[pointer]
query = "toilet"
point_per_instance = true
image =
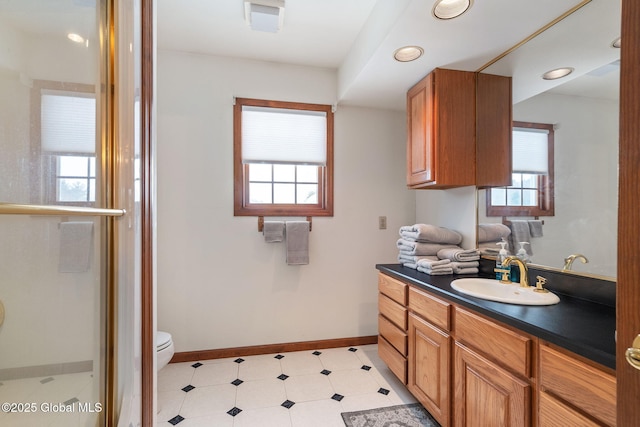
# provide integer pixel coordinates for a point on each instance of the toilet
(165, 348)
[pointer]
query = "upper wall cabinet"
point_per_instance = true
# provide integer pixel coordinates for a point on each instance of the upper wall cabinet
(493, 130)
(441, 130)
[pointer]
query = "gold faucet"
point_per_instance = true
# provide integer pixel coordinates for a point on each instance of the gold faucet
(568, 261)
(524, 277)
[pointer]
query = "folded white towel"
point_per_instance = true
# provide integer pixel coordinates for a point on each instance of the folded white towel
(465, 264)
(459, 254)
(406, 257)
(409, 264)
(273, 231)
(430, 233)
(467, 270)
(469, 267)
(439, 272)
(411, 247)
(433, 263)
(492, 232)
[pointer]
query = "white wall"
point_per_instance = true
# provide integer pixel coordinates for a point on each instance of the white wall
(453, 208)
(219, 284)
(586, 177)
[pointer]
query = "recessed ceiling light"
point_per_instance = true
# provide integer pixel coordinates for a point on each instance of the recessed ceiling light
(616, 43)
(75, 37)
(408, 53)
(558, 73)
(449, 9)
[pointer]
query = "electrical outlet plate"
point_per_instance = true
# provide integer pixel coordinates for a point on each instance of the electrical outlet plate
(382, 222)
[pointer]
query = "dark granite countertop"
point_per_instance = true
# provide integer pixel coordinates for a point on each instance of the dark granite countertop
(583, 327)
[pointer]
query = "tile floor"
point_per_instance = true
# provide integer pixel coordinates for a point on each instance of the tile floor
(295, 389)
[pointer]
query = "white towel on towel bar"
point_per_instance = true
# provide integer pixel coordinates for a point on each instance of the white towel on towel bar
(273, 231)
(520, 233)
(297, 233)
(535, 227)
(76, 241)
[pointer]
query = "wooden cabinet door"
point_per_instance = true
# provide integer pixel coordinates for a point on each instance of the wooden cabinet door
(486, 395)
(420, 144)
(493, 131)
(441, 130)
(429, 355)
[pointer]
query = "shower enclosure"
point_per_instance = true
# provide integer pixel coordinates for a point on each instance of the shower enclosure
(69, 212)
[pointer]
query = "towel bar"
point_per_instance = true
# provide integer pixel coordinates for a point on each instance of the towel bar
(506, 222)
(261, 223)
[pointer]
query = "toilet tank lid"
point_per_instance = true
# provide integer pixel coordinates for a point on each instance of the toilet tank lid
(162, 338)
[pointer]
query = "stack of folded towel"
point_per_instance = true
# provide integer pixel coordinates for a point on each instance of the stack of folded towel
(434, 250)
(463, 261)
(489, 235)
(435, 266)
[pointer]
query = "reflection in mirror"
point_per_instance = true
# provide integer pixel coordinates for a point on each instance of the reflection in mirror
(583, 109)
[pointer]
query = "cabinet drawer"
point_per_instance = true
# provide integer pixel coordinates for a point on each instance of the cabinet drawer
(555, 413)
(507, 348)
(394, 289)
(582, 385)
(430, 308)
(393, 311)
(394, 360)
(396, 337)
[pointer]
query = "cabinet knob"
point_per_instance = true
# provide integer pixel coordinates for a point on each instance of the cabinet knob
(633, 353)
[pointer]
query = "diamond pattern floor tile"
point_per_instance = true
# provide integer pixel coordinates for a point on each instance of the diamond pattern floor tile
(295, 389)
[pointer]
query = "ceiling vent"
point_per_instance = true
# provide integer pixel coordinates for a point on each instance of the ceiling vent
(264, 15)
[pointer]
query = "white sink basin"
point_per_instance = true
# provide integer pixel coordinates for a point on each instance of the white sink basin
(493, 290)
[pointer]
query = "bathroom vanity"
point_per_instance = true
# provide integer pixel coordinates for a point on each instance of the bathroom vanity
(467, 359)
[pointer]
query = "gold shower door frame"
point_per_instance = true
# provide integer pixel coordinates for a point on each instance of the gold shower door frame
(107, 121)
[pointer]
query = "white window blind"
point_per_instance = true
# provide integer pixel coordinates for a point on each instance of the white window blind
(68, 122)
(278, 135)
(530, 151)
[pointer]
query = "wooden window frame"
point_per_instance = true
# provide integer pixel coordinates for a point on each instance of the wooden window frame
(241, 204)
(545, 205)
(52, 175)
(44, 172)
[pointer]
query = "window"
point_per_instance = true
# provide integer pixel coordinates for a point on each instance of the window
(531, 190)
(75, 179)
(283, 158)
(67, 141)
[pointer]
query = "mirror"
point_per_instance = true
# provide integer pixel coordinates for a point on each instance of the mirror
(583, 107)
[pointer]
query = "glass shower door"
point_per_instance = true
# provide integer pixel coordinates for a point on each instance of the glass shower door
(56, 222)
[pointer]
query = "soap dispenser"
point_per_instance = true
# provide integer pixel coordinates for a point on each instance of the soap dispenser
(522, 252)
(524, 257)
(502, 254)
